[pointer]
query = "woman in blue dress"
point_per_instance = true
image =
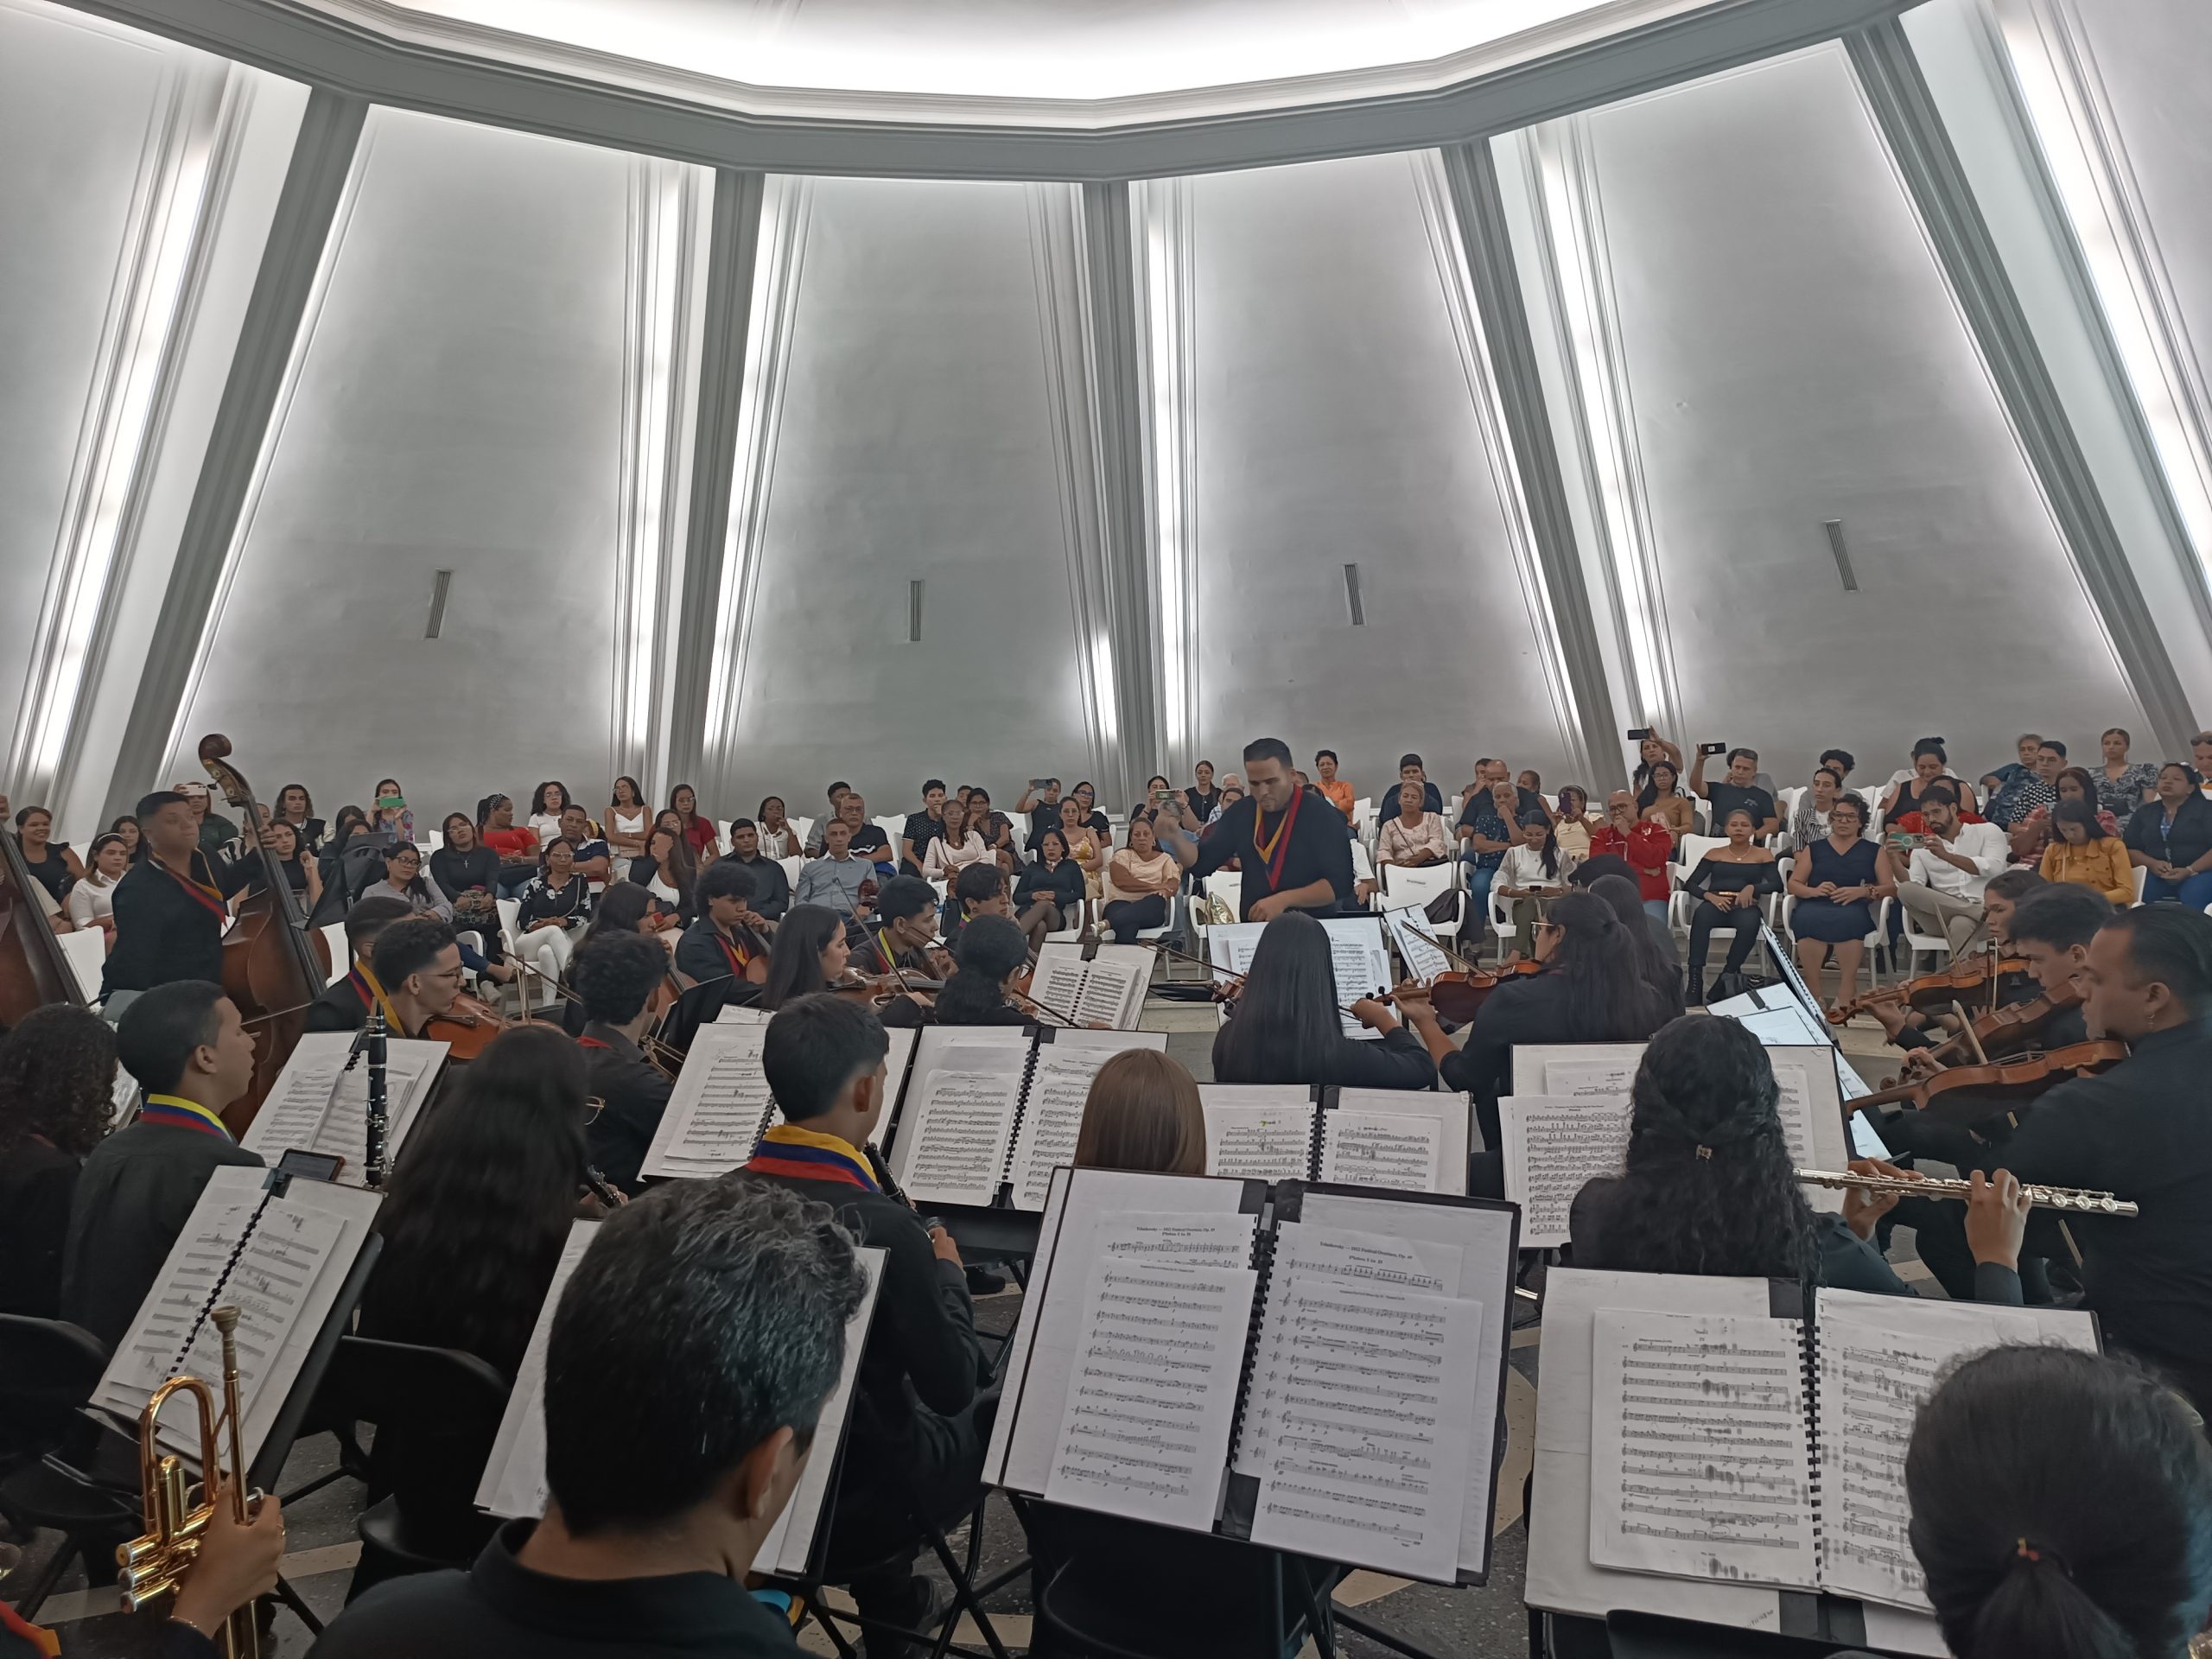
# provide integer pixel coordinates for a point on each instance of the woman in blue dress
(1836, 882)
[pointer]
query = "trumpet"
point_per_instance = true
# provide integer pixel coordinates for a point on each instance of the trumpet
(2075, 1200)
(155, 1564)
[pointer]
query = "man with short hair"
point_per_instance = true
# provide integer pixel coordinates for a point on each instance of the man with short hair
(868, 841)
(835, 879)
(723, 944)
(1950, 870)
(344, 1003)
(920, 1422)
(1839, 761)
(1644, 844)
(690, 1355)
(1290, 858)
(594, 859)
(616, 978)
(2200, 755)
(903, 926)
(185, 1043)
(923, 828)
(771, 887)
(1410, 770)
(169, 906)
(1739, 788)
(1043, 808)
(419, 963)
(977, 890)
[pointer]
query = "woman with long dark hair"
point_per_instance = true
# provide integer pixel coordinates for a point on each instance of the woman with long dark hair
(1622, 896)
(2061, 1509)
(992, 955)
(809, 955)
(1710, 1187)
(669, 871)
(1285, 1027)
(1661, 797)
(547, 802)
(698, 830)
(296, 806)
(627, 817)
(57, 1096)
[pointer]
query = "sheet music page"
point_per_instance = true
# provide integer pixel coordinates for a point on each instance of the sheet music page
(1258, 1131)
(1423, 960)
(317, 1105)
(1060, 1087)
(718, 1108)
(1059, 979)
(1587, 1069)
(514, 1475)
(1368, 1460)
(1879, 1357)
(1111, 991)
(1797, 1107)
(1403, 1150)
(1159, 1355)
(1553, 1146)
(1700, 1466)
(955, 1127)
(1608, 1080)
(1175, 1238)
(1361, 962)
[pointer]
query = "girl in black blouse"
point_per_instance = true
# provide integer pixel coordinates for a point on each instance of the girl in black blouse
(1728, 883)
(1285, 1027)
(51, 863)
(468, 873)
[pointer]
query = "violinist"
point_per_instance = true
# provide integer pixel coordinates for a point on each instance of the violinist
(171, 909)
(809, 956)
(1909, 1028)
(346, 1002)
(418, 961)
(725, 943)
(904, 930)
(616, 976)
(981, 890)
(1286, 1028)
(993, 955)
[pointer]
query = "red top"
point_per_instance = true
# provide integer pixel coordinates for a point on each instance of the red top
(518, 840)
(1645, 847)
(700, 832)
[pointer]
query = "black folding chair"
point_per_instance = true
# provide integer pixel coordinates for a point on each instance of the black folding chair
(47, 1371)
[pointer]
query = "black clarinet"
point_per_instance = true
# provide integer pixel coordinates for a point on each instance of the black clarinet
(373, 1037)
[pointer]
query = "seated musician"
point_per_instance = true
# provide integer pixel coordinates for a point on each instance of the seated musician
(835, 879)
(169, 909)
(2140, 1131)
(1909, 1028)
(992, 956)
(725, 943)
(418, 961)
(1284, 1026)
(921, 1420)
(1709, 1187)
(691, 1354)
(192, 1054)
(2062, 1506)
(809, 956)
(1652, 943)
(616, 976)
(1143, 1112)
(1299, 860)
(57, 1098)
(771, 887)
(346, 1002)
(981, 890)
(901, 938)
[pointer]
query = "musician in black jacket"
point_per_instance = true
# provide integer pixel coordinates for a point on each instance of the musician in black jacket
(346, 1002)
(170, 907)
(616, 976)
(1285, 1026)
(921, 1418)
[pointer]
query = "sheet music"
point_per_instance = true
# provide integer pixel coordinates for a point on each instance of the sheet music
(1876, 1364)
(789, 1546)
(1361, 964)
(1423, 960)
(1159, 1356)
(317, 1105)
(719, 1108)
(1368, 1459)
(1812, 1117)
(1699, 1464)
(1608, 1080)
(1396, 1149)
(1110, 993)
(1553, 1146)
(1175, 1238)
(1594, 1070)
(958, 1123)
(1060, 1087)
(1057, 980)
(1259, 1131)
(514, 1475)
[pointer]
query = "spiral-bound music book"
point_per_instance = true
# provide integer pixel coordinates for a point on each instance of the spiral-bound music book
(282, 1261)
(514, 1475)
(1709, 1448)
(1408, 1140)
(988, 1108)
(1313, 1368)
(1102, 982)
(722, 1104)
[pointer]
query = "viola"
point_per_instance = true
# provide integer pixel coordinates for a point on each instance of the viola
(273, 965)
(1934, 992)
(1973, 1094)
(32, 971)
(2009, 1030)
(1458, 993)
(466, 1028)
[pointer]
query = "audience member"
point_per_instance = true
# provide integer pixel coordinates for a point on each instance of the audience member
(954, 846)
(2028, 745)
(1529, 876)
(2082, 853)
(51, 863)
(2122, 786)
(1335, 789)
(554, 912)
(779, 837)
(296, 806)
(1049, 894)
(923, 830)
(1642, 843)
(2169, 839)
(1140, 884)
(92, 901)
(1728, 884)
(547, 803)
(698, 830)
(1948, 871)
(1809, 822)
(1410, 770)
(1837, 881)
(627, 817)
(772, 887)
(1739, 789)
(1661, 800)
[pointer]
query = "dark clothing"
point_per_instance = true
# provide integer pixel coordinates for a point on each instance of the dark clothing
(133, 1199)
(51, 872)
(1529, 1009)
(165, 931)
(1741, 921)
(1203, 801)
(1432, 800)
(871, 843)
(37, 1182)
(1725, 798)
(216, 831)
(501, 1609)
(1062, 885)
(771, 888)
(2188, 840)
(2139, 1131)
(922, 828)
(636, 1095)
(1481, 815)
(904, 1011)
(1041, 818)
(705, 953)
(1126, 918)
(1825, 920)
(457, 873)
(1318, 851)
(1397, 1061)
(543, 901)
(340, 1008)
(1846, 1261)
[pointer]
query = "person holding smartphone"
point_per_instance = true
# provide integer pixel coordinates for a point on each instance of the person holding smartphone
(1041, 802)
(1739, 789)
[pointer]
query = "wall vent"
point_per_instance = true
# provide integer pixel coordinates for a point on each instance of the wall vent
(1352, 596)
(914, 611)
(1835, 528)
(440, 584)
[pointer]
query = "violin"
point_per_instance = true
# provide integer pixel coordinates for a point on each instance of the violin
(1935, 993)
(466, 1028)
(32, 969)
(2010, 1030)
(1458, 993)
(273, 965)
(1973, 1094)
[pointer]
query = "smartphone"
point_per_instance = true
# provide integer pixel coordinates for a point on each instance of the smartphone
(1038, 786)
(1712, 748)
(1162, 797)
(1638, 733)
(311, 1165)
(385, 803)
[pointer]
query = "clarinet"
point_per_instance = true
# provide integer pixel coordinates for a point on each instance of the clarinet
(374, 1034)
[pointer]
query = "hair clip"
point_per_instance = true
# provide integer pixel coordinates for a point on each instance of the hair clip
(1705, 1152)
(2025, 1551)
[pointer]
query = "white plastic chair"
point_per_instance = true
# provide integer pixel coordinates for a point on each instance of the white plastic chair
(1873, 942)
(892, 827)
(341, 959)
(1501, 921)
(2142, 875)
(1404, 885)
(85, 950)
(792, 866)
(437, 840)
(1681, 904)
(1362, 863)
(801, 830)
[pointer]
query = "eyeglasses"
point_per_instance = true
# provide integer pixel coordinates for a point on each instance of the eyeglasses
(593, 1107)
(1551, 927)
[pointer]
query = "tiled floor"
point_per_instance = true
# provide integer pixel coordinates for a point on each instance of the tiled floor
(1466, 1624)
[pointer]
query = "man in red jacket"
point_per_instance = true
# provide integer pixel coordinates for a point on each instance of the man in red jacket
(1645, 843)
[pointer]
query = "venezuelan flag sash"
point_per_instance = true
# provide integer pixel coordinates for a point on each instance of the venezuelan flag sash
(803, 1155)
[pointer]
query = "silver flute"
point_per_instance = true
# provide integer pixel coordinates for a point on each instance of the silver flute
(2076, 1200)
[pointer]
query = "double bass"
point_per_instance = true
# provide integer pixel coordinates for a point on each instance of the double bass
(273, 966)
(34, 971)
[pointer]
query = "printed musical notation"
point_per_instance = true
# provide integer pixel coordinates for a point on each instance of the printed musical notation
(1423, 960)
(319, 1105)
(719, 1107)
(1590, 1079)
(1699, 1464)
(1357, 1407)
(1152, 1392)
(1427, 1265)
(1175, 1238)
(1554, 1145)
(1381, 1149)
(1266, 1142)
(954, 1143)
